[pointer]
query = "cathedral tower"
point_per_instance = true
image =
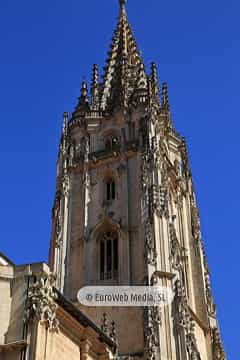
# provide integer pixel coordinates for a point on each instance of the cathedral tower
(125, 211)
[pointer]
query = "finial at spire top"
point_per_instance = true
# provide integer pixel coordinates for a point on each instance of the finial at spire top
(122, 3)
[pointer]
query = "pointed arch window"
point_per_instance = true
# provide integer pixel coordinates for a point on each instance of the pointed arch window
(109, 256)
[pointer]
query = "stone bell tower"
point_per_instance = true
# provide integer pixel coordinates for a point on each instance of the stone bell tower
(125, 211)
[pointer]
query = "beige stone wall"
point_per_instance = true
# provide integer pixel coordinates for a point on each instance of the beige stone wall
(6, 275)
(55, 346)
(15, 329)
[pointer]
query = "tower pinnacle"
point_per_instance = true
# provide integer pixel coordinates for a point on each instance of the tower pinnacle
(124, 63)
(122, 3)
(83, 104)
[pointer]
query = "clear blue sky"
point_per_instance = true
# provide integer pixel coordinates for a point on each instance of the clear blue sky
(47, 47)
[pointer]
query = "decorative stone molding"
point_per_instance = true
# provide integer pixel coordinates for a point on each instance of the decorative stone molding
(108, 329)
(105, 324)
(185, 158)
(41, 302)
(184, 323)
(163, 200)
(113, 333)
(158, 200)
(156, 311)
(154, 199)
(175, 249)
(75, 153)
(56, 219)
(150, 248)
(154, 195)
(211, 307)
(196, 227)
(179, 199)
(146, 169)
(151, 335)
(147, 194)
(152, 320)
(65, 185)
(58, 223)
(191, 342)
(180, 303)
(217, 346)
(155, 153)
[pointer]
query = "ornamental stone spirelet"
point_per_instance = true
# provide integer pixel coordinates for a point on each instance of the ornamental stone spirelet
(41, 302)
(122, 3)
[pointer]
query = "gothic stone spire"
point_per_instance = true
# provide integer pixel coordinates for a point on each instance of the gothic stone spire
(83, 102)
(123, 66)
(154, 81)
(95, 88)
(64, 132)
(165, 101)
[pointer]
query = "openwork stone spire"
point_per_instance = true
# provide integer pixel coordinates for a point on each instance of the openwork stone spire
(123, 66)
(154, 81)
(95, 88)
(83, 103)
(165, 101)
(64, 132)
